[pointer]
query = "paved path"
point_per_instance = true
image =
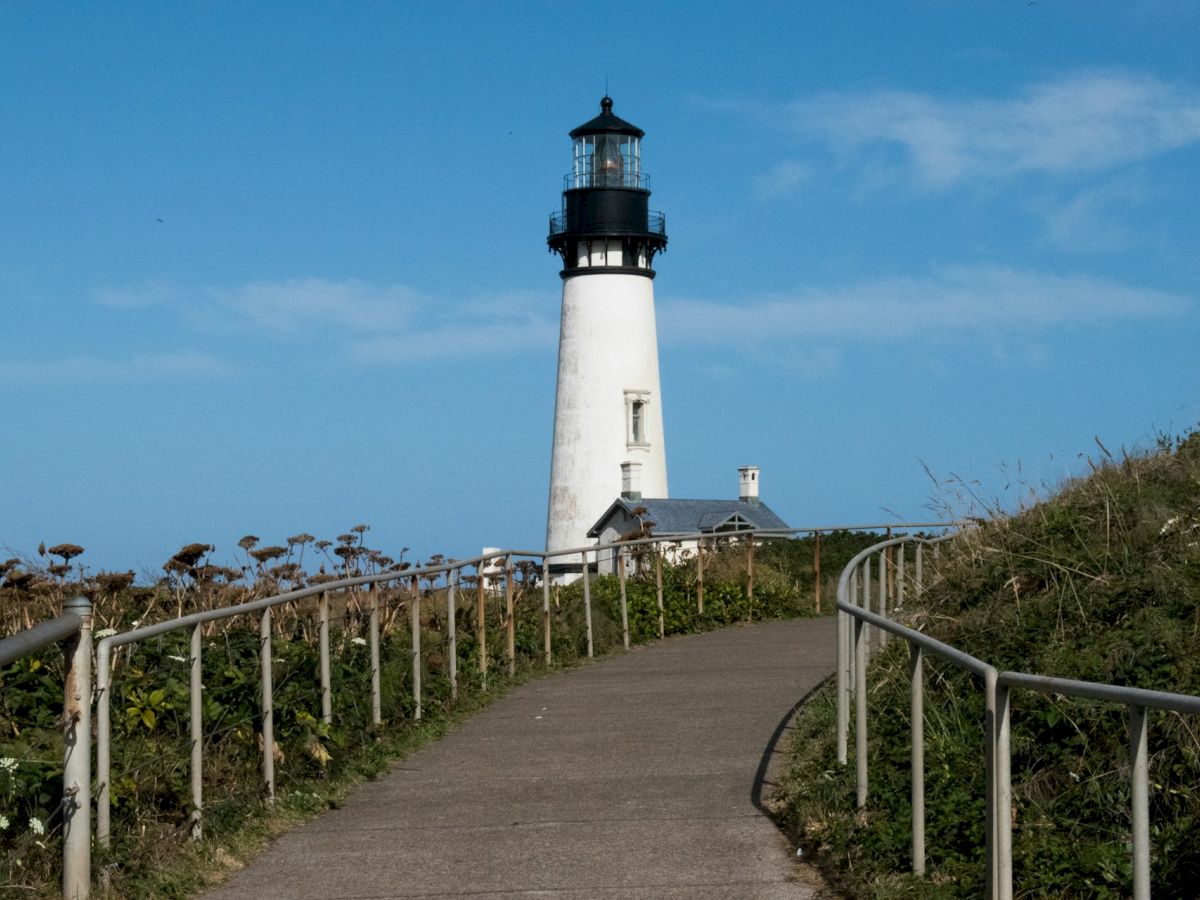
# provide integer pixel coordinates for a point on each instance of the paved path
(635, 777)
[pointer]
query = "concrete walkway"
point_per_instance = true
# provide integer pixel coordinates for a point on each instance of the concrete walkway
(636, 777)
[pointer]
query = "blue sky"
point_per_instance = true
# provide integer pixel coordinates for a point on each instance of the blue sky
(270, 268)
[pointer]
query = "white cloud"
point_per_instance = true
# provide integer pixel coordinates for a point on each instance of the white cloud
(985, 300)
(179, 363)
(1085, 122)
(783, 180)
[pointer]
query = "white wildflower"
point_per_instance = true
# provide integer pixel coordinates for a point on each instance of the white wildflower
(177, 658)
(1169, 524)
(104, 632)
(36, 826)
(8, 764)
(362, 642)
(135, 623)
(3, 822)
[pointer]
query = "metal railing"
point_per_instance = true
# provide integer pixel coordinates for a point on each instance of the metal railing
(597, 177)
(73, 629)
(855, 622)
(76, 621)
(654, 223)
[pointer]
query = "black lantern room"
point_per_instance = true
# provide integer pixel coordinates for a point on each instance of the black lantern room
(605, 224)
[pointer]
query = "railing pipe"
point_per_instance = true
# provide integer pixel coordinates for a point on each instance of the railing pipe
(884, 578)
(658, 584)
(860, 712)
(103, 742)
(900, 566)
(1003, 754)
(620, 561)
(323, 641)
(587, 602)
(546, 610)
(268, 705)
(373, 648)
(415, 630)
(196, 722)
(77, 754)
(510, 622)
(1140, 801)
(916, 669)
(481, 622)
(452, 630)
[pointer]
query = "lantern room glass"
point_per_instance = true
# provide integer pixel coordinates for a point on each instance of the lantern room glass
(607, 160)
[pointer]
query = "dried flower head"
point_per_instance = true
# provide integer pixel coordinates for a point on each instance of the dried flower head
(249, 542)
(66, 551)
(264, 554)
(300, 539)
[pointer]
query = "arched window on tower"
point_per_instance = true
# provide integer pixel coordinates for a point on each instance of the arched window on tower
(636, 402)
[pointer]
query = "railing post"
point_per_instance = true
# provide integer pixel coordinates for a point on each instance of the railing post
(901, 552)
(77, 756)
(884, 577)
(620, 561)
(415, 608)
(916, 671)
(323, 641)
(268, 704)
(749, 576)
(452, 630)
(510, 622)
(1140, 796)
(843, 685)
(373, 642)
(546, 609)
(587, 602)
(196, 716)
(919, 575)
(817, 571)
(1003, 755)
(860, 712)
(481, 622)
(103, 742)
(989, 746)
(658, 584)
(865, 603)
(700, 576)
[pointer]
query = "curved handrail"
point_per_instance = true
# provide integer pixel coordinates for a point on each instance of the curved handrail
(852, 667)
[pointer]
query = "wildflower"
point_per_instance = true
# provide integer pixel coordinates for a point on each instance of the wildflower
(135, 623)
(362, 642)
(36, 826)
(177, 658)
(1169, 524)
(3, 822)
(104, 632)
(8, 764)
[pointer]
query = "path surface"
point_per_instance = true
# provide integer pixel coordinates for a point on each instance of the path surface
(636, 777)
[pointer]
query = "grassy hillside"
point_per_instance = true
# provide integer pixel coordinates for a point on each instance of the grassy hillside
(1101, 582)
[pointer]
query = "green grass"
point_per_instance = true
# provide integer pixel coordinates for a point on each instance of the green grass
(1100, 582)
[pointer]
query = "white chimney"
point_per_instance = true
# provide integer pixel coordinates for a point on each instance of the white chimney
(748, 484)
(631, 481)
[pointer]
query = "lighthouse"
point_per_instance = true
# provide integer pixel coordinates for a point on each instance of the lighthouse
(608, 422)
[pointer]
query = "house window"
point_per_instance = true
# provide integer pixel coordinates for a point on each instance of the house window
(636, 411)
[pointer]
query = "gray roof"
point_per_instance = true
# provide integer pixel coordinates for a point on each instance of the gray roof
(688, 516)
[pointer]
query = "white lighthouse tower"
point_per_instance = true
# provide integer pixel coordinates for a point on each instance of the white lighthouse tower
(608, 409)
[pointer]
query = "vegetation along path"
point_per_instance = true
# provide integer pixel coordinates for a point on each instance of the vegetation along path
(639, 776)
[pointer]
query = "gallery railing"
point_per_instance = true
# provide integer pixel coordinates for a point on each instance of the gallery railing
(857, 619)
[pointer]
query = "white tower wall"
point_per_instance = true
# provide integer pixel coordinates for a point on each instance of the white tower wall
(608, 409)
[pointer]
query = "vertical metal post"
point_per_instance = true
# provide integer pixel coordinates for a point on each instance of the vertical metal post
(452, 629)
(268, 704)
(860, 712)
(415, 607)
(919, 575)
(323, 640)
(587, 601)
(196, 715)
(77, 756)
(916, 671)
(865, 603)
(510, 622)
(620, 561)
(373, 642)
(1140, 796)
(989, 747)
(481, 622)
(884, 577)
(749, 576)
(1003, 755)
(546, 609)
(700, 576)
(103, 742)
(659, 588)
(901, 552)
(817, 571)
(843, 685)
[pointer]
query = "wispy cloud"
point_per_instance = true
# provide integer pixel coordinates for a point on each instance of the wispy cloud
(1085, 122)
(358, 321)
(785, 179)
(156, 365)
(982, 300)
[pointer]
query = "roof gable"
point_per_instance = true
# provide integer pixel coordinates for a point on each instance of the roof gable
(690, 516)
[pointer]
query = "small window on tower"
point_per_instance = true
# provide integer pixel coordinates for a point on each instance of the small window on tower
(636, 403)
